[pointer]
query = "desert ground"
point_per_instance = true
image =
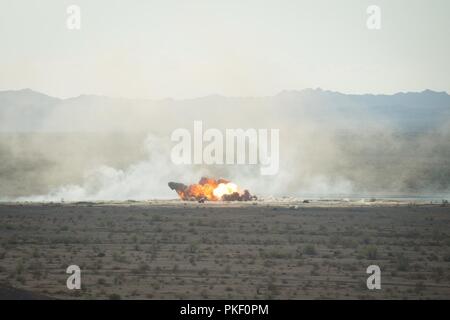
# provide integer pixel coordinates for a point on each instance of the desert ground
(255, 250)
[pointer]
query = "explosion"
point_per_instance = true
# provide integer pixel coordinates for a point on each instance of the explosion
(211, 190)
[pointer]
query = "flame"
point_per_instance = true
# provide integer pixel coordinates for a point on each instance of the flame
(225, 188)
(211, 190)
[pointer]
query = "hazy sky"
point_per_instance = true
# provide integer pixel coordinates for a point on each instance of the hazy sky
(182, 49)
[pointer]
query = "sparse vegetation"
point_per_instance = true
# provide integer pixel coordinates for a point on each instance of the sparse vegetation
(249, 252)
(310, 250)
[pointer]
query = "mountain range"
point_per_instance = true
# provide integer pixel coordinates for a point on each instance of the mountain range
(30, 111)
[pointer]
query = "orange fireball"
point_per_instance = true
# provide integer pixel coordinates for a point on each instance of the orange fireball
(211, 190)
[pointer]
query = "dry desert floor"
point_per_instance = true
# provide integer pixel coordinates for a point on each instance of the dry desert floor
(258, 250)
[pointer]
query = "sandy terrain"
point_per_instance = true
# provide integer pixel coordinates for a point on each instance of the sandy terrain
(279, 250)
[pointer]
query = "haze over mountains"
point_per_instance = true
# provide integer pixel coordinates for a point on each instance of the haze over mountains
(93, 147)
(30, 111)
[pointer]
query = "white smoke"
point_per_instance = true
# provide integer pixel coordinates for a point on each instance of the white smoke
(146, 179)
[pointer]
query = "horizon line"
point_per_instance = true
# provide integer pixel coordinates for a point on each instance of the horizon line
(317, 89)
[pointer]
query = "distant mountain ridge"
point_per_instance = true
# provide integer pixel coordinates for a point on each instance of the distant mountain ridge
(25, 97)
(28, 110)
